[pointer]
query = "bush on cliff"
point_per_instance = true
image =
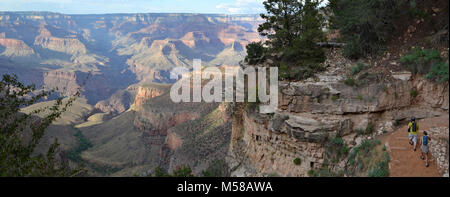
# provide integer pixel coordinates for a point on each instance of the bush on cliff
(428, 62)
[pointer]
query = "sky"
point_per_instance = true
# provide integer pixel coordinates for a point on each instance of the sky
(135, 6)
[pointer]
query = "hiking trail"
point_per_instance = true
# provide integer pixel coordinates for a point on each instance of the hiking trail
(404, 161)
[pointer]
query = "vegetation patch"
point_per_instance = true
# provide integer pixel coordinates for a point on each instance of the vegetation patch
(381, 168)
(181, 171)
(368, 159)
(360, 97)
(367, 131)
(255, 53)
(414, 93)
(216, 168)
(293, 29)
(335, 150)
(297, 161)
(349, 81)
(428, 62)
(356, 69)
(334, 97)
(83, 144)
(364, 25)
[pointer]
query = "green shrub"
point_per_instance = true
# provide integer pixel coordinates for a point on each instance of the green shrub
(360, 97)
(396, 123)
(337, 141)
(362, 150)
(159, 172)
(381, 168)
(83, 144)
(414, 93)
(415, 12)
(427, 61)
(420, 61)
(297, 161)
(350, 82)
(183, 171)
(439, 72)
(359, 131)
(356, 69)
(335, 150)
(273, 174)
(216, 168)
(370, 128)
(334, 98)
(311, 173)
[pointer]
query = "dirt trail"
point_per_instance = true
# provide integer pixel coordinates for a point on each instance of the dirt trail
(404, 161)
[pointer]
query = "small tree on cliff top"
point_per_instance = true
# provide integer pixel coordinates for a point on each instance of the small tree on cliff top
(293, 28)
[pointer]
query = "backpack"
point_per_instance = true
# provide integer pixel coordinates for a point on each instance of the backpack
(414, 127)
(425, 140)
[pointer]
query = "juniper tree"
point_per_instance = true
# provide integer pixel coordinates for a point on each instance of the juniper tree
(293, 28)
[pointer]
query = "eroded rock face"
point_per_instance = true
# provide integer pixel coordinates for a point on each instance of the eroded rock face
(274, 152)
(16, 48)
(439, 148)
(314, 111)
(146, 93)
(66, 45)
(122, 100)
(95, 87)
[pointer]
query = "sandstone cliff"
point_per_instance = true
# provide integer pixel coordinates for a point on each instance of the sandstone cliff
(314, 111)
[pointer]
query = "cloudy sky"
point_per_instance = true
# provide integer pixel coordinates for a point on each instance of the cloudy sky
(135, 6)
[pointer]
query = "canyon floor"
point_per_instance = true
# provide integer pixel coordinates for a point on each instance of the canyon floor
(404, 161)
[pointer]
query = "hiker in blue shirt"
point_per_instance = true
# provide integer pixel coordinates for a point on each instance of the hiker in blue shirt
(425, 147)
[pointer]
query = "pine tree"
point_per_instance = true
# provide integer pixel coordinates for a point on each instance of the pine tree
(293, 28)
(365, 25)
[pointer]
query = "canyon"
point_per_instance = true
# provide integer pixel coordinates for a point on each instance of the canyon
(121, 63)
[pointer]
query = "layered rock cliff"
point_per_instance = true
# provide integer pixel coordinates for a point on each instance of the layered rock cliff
(314, 111)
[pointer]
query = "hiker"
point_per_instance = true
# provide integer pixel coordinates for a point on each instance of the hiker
(425, 147)
(413, 128)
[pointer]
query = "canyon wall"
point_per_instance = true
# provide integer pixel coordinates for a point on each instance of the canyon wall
(314, 111)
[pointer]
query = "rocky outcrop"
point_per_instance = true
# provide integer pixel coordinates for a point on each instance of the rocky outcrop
(148, 92)
(173, 141)
(68, 45)
(95, 87)
(64, 82)
(117, 103)
(314, 111)
(15, 48)
(439, 147)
